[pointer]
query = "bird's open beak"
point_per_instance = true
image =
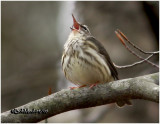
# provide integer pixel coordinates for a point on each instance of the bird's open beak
(75, 23)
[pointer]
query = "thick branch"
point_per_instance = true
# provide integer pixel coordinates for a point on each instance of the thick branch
(143, 87)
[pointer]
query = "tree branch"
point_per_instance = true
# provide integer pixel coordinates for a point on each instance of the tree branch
(124, 36)
(131, 65)
(121, 37)
(143, 87)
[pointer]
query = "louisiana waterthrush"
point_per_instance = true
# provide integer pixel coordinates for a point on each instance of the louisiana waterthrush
(85, 61)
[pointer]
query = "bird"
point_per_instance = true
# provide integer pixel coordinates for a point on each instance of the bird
(85, 61)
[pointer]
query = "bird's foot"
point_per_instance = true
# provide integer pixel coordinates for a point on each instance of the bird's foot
(71, 88)
(93, 85)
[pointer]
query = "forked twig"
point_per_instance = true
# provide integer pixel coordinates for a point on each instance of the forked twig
(121, 37)
(156, 52)
(131, 65)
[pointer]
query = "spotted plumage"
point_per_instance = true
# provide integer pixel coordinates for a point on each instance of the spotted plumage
(85, 61)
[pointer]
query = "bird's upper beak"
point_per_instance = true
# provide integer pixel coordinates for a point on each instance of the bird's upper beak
(75, 23)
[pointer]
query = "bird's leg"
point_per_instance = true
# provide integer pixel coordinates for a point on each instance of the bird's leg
(71, 88)
(93, 85)
(77, 87)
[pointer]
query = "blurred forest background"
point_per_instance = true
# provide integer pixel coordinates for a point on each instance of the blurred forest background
(33, 35)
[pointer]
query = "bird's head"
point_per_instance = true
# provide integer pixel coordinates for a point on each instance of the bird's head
(79, 29)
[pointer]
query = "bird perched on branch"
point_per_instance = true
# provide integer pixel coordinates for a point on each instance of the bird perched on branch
(85, 61)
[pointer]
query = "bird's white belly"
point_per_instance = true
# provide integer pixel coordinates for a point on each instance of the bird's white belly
(81, 73)
(84, 66)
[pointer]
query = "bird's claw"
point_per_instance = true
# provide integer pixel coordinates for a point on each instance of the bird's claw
(71, 88)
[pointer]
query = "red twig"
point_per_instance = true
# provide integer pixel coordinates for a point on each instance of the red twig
(156, 52)
(50, 91)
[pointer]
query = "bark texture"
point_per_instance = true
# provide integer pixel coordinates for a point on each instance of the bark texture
(144, 87)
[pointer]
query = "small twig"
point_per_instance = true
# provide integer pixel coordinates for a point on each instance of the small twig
(122, 41)
(134, 64)
(50, 91)
(156, 52)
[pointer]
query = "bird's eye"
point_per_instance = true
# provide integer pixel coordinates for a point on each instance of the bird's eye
(84, 28)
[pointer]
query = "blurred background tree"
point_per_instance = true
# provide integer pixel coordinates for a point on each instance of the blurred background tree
(33, 35)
